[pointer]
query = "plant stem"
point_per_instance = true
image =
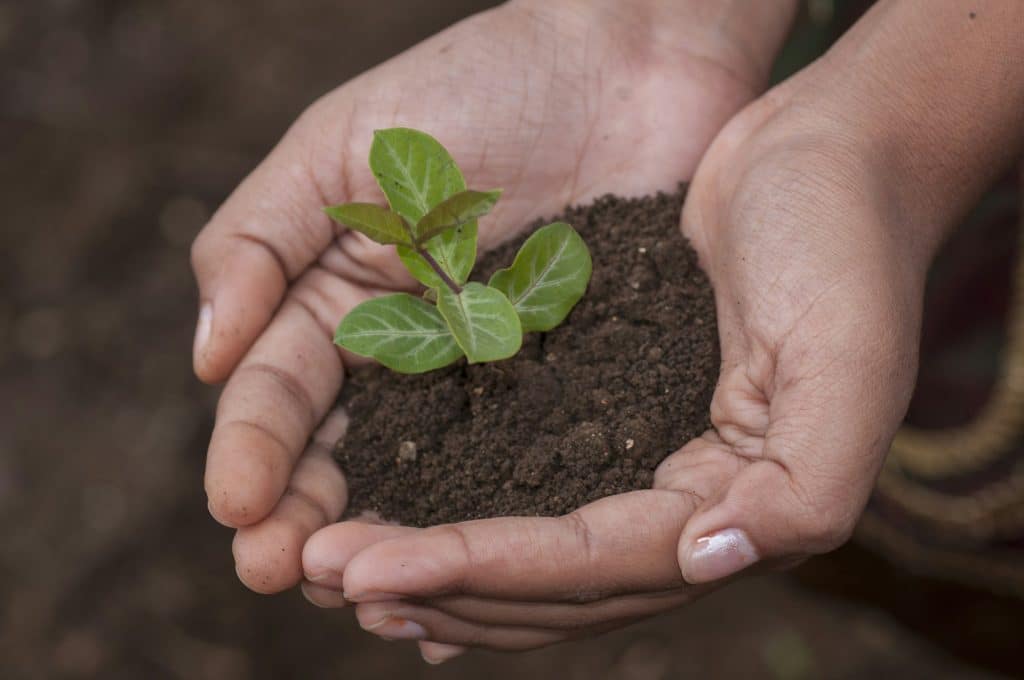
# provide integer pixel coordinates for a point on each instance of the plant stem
(439, 271)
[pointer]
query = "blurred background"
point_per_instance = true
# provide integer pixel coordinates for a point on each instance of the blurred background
(123, 125)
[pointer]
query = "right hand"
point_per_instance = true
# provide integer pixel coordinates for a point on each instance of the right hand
(555, 102)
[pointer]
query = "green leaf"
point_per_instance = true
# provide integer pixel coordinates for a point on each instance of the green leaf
(400, 331)
(482, 320)
(547, 278)
(455, 251)
(416, 173)
(455, 211)
(380, 224)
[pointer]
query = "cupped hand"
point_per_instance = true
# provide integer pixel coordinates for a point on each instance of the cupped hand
(819, 297)
(554, 102)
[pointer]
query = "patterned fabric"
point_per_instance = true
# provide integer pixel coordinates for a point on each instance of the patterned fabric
(950, 502)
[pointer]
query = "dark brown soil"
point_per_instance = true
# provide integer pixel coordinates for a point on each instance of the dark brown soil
(584, 411)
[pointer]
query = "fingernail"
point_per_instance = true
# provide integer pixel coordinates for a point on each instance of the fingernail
(436, 653)
(371, 596)
(395, 628)
(322, 597)
(203, 328)
(326, 579)
(719, 555)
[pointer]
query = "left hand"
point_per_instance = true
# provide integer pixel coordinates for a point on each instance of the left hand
(819, 299)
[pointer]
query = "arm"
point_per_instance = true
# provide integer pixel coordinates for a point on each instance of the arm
(858, 167)
(936, 92)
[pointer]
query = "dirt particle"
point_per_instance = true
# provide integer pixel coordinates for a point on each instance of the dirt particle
(407, 452)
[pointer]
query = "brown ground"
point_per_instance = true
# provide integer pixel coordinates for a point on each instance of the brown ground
(580, 413)
(123, 125)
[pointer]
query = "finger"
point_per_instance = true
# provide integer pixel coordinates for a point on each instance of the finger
(615, 545)
(408, 621)
(568, 617)
(831, 419)
(436, 653)
(274, 400)
(268, 554)
(328, 551)
(264, 236)
(554, 616)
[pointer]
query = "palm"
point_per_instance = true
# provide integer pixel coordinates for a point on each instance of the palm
(554, 125)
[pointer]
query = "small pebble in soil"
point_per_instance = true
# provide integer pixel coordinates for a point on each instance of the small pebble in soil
(407, 452)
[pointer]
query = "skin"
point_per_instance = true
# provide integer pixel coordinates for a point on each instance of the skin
(818, 266)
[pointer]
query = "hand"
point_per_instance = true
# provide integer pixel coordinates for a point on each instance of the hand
(555, 102)
(819, 301)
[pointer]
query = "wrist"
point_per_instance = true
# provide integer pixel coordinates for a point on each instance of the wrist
(933, 94)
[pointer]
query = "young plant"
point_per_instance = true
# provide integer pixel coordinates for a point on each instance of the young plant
(432, 222)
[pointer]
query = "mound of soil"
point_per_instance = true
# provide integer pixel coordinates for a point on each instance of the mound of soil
(584, 411)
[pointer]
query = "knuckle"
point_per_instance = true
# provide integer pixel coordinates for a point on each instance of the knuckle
(825, 524)
(585, 545)
(584, 537)
(318, 481)
(295, 395)
(828, 502)
(198, 255)
(314, 116)
(466, 555)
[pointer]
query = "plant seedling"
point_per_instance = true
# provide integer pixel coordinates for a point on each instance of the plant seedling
(432, 222)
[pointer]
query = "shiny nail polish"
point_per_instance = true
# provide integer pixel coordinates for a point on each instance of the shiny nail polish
(719, 555)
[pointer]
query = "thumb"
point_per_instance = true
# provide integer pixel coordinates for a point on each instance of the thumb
(798, 486)
(761, 517)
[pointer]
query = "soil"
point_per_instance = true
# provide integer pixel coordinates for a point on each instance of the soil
(584, 411)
